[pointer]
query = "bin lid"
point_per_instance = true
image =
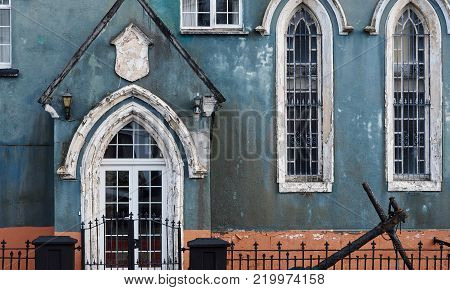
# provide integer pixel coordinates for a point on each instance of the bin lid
(54, 240)
(208, 243)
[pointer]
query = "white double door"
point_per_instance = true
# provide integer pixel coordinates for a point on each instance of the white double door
(140, 190)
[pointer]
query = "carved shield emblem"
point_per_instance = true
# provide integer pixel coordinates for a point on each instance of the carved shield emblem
(132, 53)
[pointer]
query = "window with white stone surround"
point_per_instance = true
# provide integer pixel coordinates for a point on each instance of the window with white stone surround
(5, 34)
(211, 16)
(305, 98)
(413, 98)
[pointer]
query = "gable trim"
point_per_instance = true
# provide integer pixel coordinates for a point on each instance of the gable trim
(46, 98)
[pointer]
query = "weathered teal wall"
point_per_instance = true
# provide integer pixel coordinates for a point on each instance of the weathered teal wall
(244, 193)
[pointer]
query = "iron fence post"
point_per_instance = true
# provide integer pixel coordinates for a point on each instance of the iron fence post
(179, 247)
(90, 245)
(27, 251)
(131, 242)
(3, 254)
(97, 250)
(303, 253)
(171, 261)
(232, 255)
(373, 254)
(255, 245)
(104, 242)
(279, 255)
(420, 252)
(11, 260)
(19, 254)
(83, 247)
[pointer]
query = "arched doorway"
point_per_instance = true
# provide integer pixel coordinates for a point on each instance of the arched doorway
(133, 184)
(89, 155)
(132, 177)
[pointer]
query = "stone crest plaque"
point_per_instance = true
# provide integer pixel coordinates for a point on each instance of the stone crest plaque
(132, 61)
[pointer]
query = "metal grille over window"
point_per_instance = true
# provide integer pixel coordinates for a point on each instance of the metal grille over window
(133, 142)
(5, 34)
(411, 100)
(304, 105)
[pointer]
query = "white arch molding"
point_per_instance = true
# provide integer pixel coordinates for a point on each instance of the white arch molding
(344, 27)
(375, 23)
(69, 168)
(326, 83)
(91, 205)
(435, 90)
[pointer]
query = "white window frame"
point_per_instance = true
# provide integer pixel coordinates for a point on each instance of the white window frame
(287, 184)
(6, 65)
(435, 90)
(133, 166)
(213, 28)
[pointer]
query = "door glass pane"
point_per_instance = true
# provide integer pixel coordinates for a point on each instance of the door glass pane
(144, 178)
(111, 194)
(117, 207)
(123, 194)
(150, 212)
(156, 179)
(124, 190)
(123, 178)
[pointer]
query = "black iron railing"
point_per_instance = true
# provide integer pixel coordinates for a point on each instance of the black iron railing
(372, 258)
(17, 258)
(124, 242)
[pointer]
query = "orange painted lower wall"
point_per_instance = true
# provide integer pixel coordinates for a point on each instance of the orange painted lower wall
(15, 238)
(315, 240)
(290, 240)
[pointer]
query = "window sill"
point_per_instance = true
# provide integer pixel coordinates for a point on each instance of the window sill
(424, 186)
(305, 187)
(225, 31)
(9, 73)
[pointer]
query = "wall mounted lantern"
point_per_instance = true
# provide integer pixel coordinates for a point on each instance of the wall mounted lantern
(67, 102)
(197, 105)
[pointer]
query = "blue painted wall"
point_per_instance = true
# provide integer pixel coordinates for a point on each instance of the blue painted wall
(242, 184)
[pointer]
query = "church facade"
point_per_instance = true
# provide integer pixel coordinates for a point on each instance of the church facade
(248, 120)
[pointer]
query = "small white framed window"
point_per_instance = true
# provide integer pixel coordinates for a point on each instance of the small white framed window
(211, 16)
(5, 34)
(413, 98)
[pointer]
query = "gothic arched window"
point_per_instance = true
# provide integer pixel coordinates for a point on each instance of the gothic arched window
(305, 98)
(411, 103)
(413, 98)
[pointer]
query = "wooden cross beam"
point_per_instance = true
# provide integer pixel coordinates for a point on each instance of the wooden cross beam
(387, 225)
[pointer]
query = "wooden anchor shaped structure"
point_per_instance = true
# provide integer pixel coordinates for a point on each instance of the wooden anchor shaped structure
(395, 216)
